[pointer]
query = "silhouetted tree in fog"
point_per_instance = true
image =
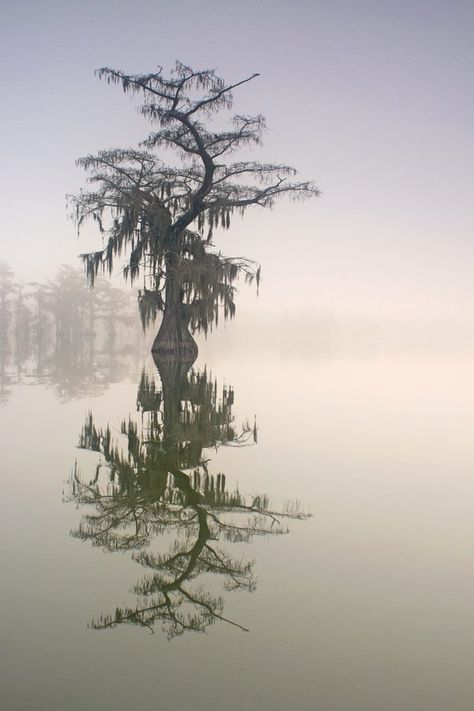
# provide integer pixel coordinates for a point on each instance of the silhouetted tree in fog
(162, 215)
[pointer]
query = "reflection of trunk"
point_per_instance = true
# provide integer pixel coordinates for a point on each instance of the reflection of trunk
(174, 336)
(174, 381)
(173, 375)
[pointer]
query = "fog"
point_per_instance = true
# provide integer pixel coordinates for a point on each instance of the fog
(372, 102)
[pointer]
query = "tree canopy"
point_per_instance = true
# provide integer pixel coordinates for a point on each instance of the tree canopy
(159, 217)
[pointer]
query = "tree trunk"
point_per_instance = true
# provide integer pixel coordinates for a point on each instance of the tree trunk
(174, 337)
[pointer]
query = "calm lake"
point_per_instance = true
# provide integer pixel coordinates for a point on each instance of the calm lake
(270, 529)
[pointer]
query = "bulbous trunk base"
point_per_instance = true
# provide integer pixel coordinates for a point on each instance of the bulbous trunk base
(175, 340)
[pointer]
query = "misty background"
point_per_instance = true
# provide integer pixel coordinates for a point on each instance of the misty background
(371, 100)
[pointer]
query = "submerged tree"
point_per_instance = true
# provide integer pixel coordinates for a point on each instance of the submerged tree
(161, 216)
(156, 483)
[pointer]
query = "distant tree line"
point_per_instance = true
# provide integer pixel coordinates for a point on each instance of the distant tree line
(63, 333)
(63, 310)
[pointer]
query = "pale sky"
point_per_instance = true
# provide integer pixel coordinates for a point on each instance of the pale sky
(373, 100)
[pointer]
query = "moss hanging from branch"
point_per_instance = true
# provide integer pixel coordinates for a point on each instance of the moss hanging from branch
(157, 220)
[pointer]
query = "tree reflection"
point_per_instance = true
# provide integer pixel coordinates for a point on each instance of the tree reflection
(152, 485)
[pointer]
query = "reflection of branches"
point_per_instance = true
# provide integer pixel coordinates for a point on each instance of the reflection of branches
(155, 483)
(126, 521)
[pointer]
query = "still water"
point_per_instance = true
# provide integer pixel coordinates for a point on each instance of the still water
(254, 532)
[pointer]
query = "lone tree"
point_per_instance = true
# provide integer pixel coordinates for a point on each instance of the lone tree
(160, 217)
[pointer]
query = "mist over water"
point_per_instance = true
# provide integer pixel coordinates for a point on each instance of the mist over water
(286, 522)
(365, 426)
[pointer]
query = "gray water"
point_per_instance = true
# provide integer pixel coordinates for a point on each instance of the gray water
(358, 597)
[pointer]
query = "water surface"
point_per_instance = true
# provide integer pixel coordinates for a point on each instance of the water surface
(366, 605)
